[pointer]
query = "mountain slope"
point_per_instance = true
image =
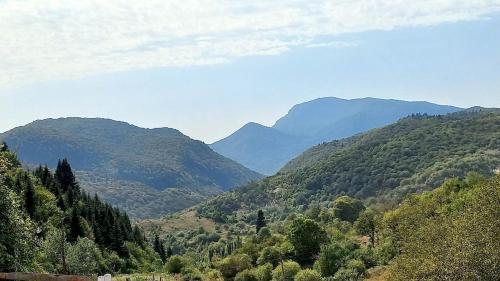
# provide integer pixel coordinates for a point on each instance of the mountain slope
(416, 153)
(258, 146)
(111, 155)
(314, 122)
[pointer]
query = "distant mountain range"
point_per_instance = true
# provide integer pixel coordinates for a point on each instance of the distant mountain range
(147, 172)
(383, 165)
(267, 149)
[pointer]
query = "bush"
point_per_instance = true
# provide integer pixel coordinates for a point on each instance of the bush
(83, 257)
(347, 208)
(331, 258)
(232, 265)
(191, 274)
(308, 275)
(290, 269)
(264, 272)
(269, 255)
(246, 275)
(306, 237)
(345, 274)
(175, 264)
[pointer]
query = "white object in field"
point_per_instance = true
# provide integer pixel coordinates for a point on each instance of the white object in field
(107, 277)
(100, 278)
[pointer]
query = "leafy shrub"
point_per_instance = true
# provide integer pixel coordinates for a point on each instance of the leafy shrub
(191, 274)
(175, 264)
(287, 273)
(232, 265)
(264, 272)
(246, 275)
(308, 275)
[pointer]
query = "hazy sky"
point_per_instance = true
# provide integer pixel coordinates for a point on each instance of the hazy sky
(207, 67)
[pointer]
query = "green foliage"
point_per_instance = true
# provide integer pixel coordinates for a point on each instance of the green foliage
(415, 154)
(450, 233)
(287, 272)
(333, 256)
(264, 272)
(116, 159)
(191, 274)
(246, 275)
(269, 255)
(308, 275)
(366, 224)
(261, 221)
(306, 237)
(16, 233)
(347, 208)
(175, 264)
(83, 257)
(232, 265)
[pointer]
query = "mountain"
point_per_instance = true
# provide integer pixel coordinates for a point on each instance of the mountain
(145, 171)
(417, 153)
(314, 122)
(261, 147)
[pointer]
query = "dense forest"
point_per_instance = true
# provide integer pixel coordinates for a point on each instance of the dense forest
(382, 166)
(49, 224)
(450, 233)
(161, 169)
(416, 200)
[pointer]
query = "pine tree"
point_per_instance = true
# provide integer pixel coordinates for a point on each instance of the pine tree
(4, 147)
(160, 248)
(29, 199)
(261, 221)
(64, 175)
(75, 229)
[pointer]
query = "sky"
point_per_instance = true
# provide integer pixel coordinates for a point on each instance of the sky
(207, 67)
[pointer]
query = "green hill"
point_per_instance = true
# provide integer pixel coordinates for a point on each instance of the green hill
(268, 149)
(148, 172)
(416, 153)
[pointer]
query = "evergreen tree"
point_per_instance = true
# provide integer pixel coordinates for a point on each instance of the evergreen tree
(4, 147)
(29, 199)
(261, 221)
(169, 252)
(64, 175)
(75, 229)
(160, 248)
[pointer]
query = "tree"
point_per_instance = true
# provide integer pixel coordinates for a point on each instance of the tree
(75, 227)
(16, 232)
(261, 221)
(160, 248)
(4, 147)
(84, 257)
(175, 264)
(366, 225)
(450, 233)
(347, 208)
(308, 275)
(246, 275)
(269, 255)
(64, 175)
(232, 265)
(332, 257)
(306, 237)
(29, 198)
(286, 271)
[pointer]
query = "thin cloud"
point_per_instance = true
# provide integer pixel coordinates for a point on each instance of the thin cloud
(47, 40)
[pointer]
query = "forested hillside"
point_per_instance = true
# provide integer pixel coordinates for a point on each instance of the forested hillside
(417, 153)
(161, 169)
(267, 149)
(49, 224)
(450, 233)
